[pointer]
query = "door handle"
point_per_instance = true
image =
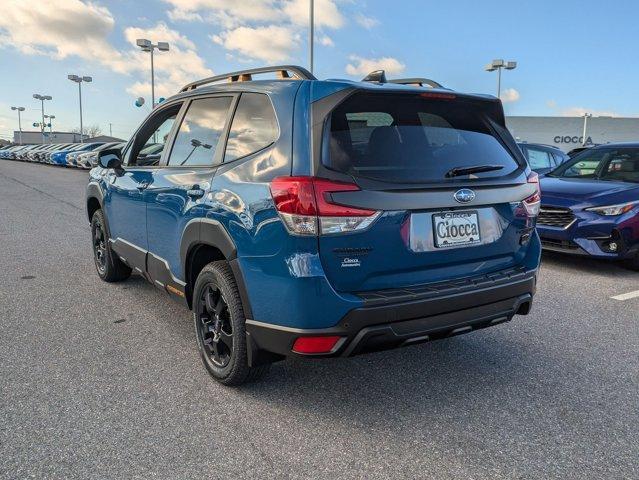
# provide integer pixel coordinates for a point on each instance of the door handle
(195, 192)
(142, 185)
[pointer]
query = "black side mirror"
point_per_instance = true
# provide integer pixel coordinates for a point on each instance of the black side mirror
(110, 159)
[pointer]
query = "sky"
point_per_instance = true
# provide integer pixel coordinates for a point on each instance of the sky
(573, 56)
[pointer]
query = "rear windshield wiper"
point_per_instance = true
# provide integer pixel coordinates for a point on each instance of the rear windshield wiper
(457, 171)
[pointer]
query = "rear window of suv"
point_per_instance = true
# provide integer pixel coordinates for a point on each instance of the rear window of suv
(411, 139)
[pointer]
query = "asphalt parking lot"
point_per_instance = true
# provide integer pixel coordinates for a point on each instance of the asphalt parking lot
(104, 381)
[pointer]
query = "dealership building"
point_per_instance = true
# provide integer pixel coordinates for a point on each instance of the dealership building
(566, 133)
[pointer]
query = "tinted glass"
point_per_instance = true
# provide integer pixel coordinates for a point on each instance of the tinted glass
(409, 139)
(200, 132)
(538, 158)
(618, 164)
(560, 158)
(254, 126)
(154, 133)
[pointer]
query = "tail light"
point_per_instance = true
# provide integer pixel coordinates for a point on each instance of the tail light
(532, 204)
(305, 206)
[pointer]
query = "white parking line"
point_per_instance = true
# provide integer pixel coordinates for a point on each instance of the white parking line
(626, 296)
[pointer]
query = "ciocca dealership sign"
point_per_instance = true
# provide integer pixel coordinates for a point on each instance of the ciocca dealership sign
(572, 139)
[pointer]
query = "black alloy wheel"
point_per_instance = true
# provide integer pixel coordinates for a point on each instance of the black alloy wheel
(99, 247)
(215, 327)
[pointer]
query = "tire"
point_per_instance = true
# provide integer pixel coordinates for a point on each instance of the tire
(633, 263)
(220, 326)
(109, 267)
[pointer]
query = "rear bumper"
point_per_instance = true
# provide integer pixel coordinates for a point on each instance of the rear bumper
(386, 322)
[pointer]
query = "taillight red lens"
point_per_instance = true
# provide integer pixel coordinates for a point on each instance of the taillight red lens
(533, 203)
(315, 345)
(311, 196)
(323, 190)
(306, 207)
(294, 195)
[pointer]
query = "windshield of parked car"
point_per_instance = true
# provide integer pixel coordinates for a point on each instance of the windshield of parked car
(403, 138)
(614, 164)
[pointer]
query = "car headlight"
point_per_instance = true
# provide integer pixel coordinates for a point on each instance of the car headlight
(613, 209)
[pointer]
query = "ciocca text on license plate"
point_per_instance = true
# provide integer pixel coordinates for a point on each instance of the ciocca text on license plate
(456, 229)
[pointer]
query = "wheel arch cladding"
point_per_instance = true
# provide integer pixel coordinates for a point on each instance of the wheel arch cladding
(204, 241)
(93, 205)
(94, 199)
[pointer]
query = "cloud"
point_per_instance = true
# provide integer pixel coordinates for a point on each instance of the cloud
(74, 28)
(326, 41)
(509, 95)
(366, 22)
(580, 111)
(363, 66)
(173, 69)
(60, 29)
(229, 13)
(326, 13)
(271, 44)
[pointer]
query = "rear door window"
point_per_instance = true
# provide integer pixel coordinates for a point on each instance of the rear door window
(538, 158)
(200, 132)
(411, 139)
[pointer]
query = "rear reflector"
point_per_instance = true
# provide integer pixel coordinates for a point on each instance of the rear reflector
(315, 345)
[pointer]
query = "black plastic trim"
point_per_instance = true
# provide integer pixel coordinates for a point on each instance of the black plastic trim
(390, 323)
(205, 231)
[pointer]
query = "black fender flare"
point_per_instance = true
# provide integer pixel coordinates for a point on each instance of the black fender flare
(93, 191)
(205, 231)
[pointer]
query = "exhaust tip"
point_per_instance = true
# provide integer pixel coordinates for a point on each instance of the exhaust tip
(524, 308)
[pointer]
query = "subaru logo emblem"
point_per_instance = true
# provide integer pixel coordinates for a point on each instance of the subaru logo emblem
(464, 195)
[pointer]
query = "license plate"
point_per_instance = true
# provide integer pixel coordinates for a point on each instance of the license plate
(456, 229)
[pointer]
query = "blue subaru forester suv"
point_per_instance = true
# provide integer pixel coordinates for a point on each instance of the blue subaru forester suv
(295, 216)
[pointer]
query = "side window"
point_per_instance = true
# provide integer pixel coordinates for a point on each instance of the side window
(538, 158)
(361, 126)
(559, 158)
(254, 126)
(150, 141)
(200, 132)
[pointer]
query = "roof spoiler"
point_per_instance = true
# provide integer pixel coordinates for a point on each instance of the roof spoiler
(283, 72)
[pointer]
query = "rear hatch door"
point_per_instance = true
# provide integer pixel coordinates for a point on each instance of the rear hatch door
(443, 179)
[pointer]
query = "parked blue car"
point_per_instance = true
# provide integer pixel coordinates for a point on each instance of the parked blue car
(590, 204)
(60, 156)
(320, 218)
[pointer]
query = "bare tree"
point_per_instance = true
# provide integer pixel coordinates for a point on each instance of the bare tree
(90, 131)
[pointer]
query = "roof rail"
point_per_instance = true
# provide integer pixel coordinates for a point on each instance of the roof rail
(283, 71)
(417, 81)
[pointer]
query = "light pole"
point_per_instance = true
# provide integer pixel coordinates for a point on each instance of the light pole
(42, 98)
(19, 109)
(311, 33)
(499, 65)
(50, 117)
(586, 117)
(78, 79)
(148, 46)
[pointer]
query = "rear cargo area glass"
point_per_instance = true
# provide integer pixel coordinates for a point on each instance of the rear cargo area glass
(408, 138)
